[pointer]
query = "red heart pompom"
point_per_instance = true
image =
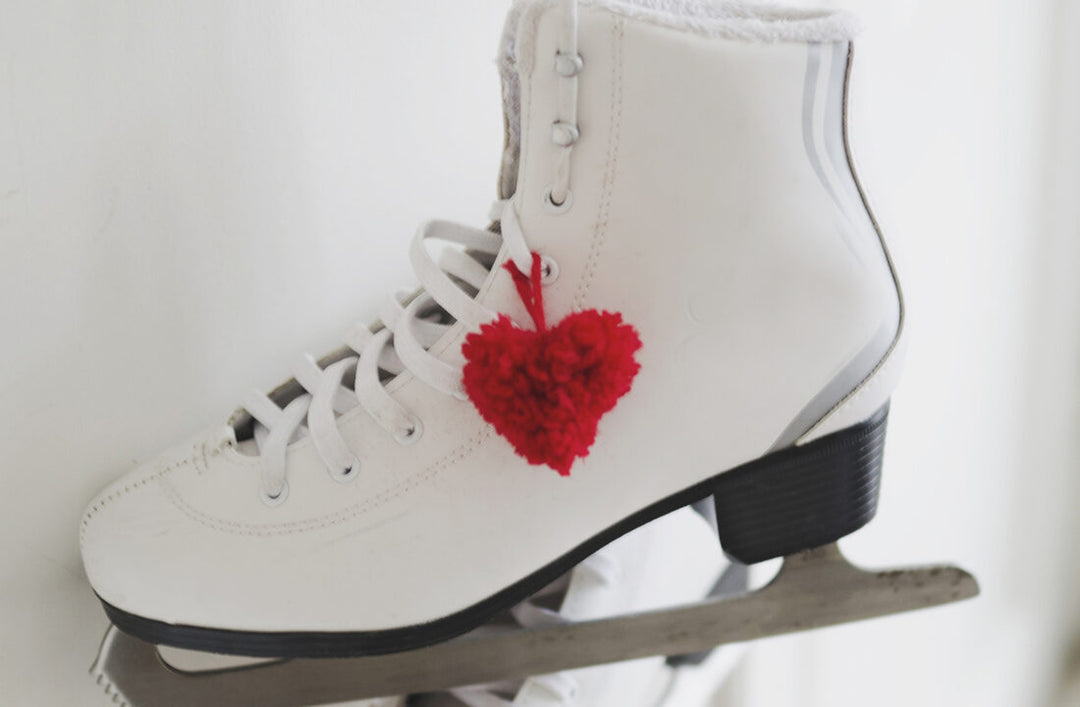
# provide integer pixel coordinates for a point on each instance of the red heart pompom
(546, 390)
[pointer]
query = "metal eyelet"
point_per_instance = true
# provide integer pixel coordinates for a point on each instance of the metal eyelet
(564, 134)
(275, 500)
(568, 65)
(554, 208)
(549, 270)
(411, 434)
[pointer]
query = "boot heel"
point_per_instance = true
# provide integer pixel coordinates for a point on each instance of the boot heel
(802, 497)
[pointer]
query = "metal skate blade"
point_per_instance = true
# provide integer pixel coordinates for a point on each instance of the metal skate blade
(813, 589)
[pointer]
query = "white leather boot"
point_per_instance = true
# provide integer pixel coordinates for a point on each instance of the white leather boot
(680, 164)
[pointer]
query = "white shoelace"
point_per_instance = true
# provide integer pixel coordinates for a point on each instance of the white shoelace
(409, 328)
(412, 324)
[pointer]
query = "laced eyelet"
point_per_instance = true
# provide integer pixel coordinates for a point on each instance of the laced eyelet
(550, 205)
(349, 473)
(412, 433)
(273, 501)
(549, 270)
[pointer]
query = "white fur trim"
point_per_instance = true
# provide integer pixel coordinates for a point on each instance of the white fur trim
(735, 19)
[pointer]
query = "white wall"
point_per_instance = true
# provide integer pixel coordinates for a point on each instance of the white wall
(192, 193)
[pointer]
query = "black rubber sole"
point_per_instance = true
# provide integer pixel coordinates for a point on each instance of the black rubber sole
(787, 501)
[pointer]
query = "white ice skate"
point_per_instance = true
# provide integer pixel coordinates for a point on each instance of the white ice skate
(672, 560)
(684, 294)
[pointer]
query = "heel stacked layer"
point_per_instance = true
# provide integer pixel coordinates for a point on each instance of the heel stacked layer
(804, 496)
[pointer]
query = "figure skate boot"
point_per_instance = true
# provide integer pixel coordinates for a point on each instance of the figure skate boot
(683, 294)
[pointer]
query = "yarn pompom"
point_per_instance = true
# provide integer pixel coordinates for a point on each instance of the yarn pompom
(545, 390)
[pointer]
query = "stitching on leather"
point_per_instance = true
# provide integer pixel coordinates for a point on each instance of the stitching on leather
(889, 359)
(127, 489)
(607, 187)
(205, 466)
(876, 378)
(870, 385)
(346, 514)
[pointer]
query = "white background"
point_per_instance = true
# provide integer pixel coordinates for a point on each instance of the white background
(192, 193)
